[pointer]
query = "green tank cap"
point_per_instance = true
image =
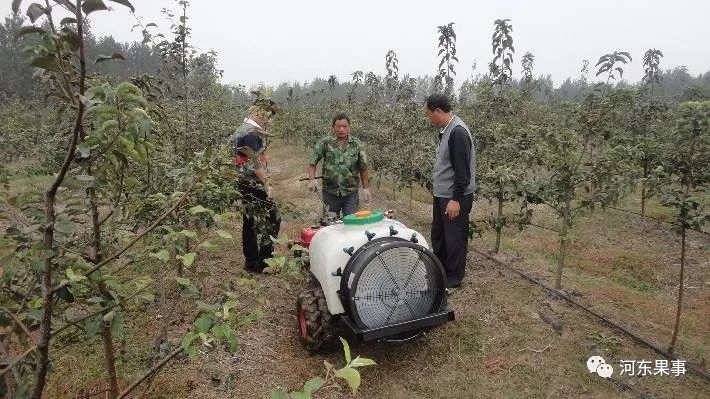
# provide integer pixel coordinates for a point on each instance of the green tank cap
(364, 217)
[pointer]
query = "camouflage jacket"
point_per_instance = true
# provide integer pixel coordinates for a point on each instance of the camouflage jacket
(341, 168)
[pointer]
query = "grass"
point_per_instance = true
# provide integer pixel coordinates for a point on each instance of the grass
(628, 269)
(29, 185)
(497, 348)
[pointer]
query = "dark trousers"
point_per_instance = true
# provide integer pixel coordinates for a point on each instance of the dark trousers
(257, 204)
(347, 204)
(449, 238)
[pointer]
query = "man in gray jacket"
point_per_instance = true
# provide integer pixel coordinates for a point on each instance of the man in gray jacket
(453, 187)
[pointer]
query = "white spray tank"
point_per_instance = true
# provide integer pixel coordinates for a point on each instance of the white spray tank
(331, 248)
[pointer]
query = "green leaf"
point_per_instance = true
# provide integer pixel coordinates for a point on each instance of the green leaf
(131, 181)
(48, 62)
(9, 274)
(125, 3)
(114, 56)
(300, 395)
(91, 326)
(85, 178)
(297, 247)
(203, 323)
(26, 30)
(198, 209)
(327, 365)
(279, 394)
(351, 376)
(276, 262)
(361, 362)
(72, 39)
(188, 259)
(224, 234)
(90, 6)
(109, 316)
(346, 349)
(31, 228)
(67, 21)
(233, 343)
(65, 227)
(65, 294)
(208, 246)
(16, 6)
(187, 340)
(221, 331)
(188, 233)
(227, 306)
(313, 385)
(185, 282)
(280, 240)
(74, 276)
(163, 255)
(34, 11)
(117, 325)
(83, 150)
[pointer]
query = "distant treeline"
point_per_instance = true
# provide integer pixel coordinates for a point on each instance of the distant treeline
(143, 58)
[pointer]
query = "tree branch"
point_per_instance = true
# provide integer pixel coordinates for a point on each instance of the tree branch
(118, 303)
(150, 372)
(17, 360)
(136, 239)
(19, 323)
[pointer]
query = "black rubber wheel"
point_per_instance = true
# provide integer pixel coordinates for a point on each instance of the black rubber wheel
(314, 319)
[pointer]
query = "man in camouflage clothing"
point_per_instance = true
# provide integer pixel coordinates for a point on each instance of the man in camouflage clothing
(254, 189)
(344, 166)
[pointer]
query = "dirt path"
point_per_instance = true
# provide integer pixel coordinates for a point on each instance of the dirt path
(498, 347)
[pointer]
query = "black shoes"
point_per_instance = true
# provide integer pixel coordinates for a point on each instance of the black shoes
(254, 267)
(453, 287)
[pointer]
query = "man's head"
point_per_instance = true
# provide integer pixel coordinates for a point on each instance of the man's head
(437, 108)
(262, 111)
(341, 126)
(259, 115)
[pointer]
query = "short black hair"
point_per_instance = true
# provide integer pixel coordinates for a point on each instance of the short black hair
(440, 101)
(340, 116)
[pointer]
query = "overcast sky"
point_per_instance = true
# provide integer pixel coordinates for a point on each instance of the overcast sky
(273, 41)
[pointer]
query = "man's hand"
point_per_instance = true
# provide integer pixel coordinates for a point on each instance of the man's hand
(269, 192)
(366, 194)
(313, 185)
(453, 208)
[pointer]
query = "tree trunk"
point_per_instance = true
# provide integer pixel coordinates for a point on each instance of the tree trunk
(163, 308)
(178, 263)
(48, 239)
(109, 357)
(680, 292)
(680, 283)
(106, 335)
(563, 244)
(643, 200)
(499, 220)
(411, 195)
